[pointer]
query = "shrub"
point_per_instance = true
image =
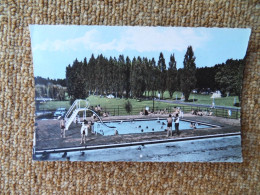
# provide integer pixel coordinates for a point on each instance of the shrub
(128, 107)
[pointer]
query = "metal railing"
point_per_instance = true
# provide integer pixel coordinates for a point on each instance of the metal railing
(219, 112)
(233, 113)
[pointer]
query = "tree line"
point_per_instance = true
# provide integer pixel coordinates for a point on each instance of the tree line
(50, 88)
(56, 92)
(133, 78)
(129, 78)
(226, 77)
(124, 77)
(45, 81)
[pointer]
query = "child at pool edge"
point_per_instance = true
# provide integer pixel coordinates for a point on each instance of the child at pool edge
(62, 127)
(169, 125)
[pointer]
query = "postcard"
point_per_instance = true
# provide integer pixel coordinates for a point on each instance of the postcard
(133, 93)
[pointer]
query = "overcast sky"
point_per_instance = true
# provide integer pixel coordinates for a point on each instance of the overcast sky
(56, 46)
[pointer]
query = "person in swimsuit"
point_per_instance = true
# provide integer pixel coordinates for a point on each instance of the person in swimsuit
(84, 132)
(62, 128)
(193, 125)
(169, 125)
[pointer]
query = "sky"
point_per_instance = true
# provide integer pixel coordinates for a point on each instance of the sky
(54, 47)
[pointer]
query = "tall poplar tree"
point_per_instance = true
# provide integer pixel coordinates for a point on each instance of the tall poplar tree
(75, 80)
(91, 70)
(121, 74)
(188, 76)
(127, 76)
(163, 74)
(172, 76)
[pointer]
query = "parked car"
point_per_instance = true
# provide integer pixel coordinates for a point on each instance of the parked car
(60, 112)
(110, 96)
(204, 93)
(195, 91)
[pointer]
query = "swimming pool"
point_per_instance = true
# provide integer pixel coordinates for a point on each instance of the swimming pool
(142, 126)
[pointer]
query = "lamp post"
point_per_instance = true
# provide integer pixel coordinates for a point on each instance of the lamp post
(153, 101)
(213, 102)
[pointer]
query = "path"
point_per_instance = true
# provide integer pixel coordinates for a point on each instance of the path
(199, 105)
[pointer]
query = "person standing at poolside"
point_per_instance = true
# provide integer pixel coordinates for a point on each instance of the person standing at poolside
(181, 113)
(177, 120)
(96, 109)
(84, 132)
(169, 125)
(62, 128)
(99, 110)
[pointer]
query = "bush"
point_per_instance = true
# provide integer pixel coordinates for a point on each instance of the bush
(237, 104)
(128, 107)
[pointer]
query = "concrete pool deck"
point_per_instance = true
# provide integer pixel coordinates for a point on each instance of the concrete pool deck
(48, 132)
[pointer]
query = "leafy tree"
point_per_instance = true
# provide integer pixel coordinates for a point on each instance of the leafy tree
(172, 76)
(230, 76)
(206, 78)
(188, 77)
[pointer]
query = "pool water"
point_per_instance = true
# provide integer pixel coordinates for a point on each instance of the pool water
(140, 126)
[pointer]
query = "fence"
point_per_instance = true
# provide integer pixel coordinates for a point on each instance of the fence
(233, 113)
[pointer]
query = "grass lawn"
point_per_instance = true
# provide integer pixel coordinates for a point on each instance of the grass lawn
(202, 99)
(53, 105)
(116, 102)
(116, 106)
(107, 104)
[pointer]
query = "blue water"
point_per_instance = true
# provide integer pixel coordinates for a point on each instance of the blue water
(144, 126)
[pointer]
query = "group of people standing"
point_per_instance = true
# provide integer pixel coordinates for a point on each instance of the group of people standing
(170, 121)
(84, 131)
